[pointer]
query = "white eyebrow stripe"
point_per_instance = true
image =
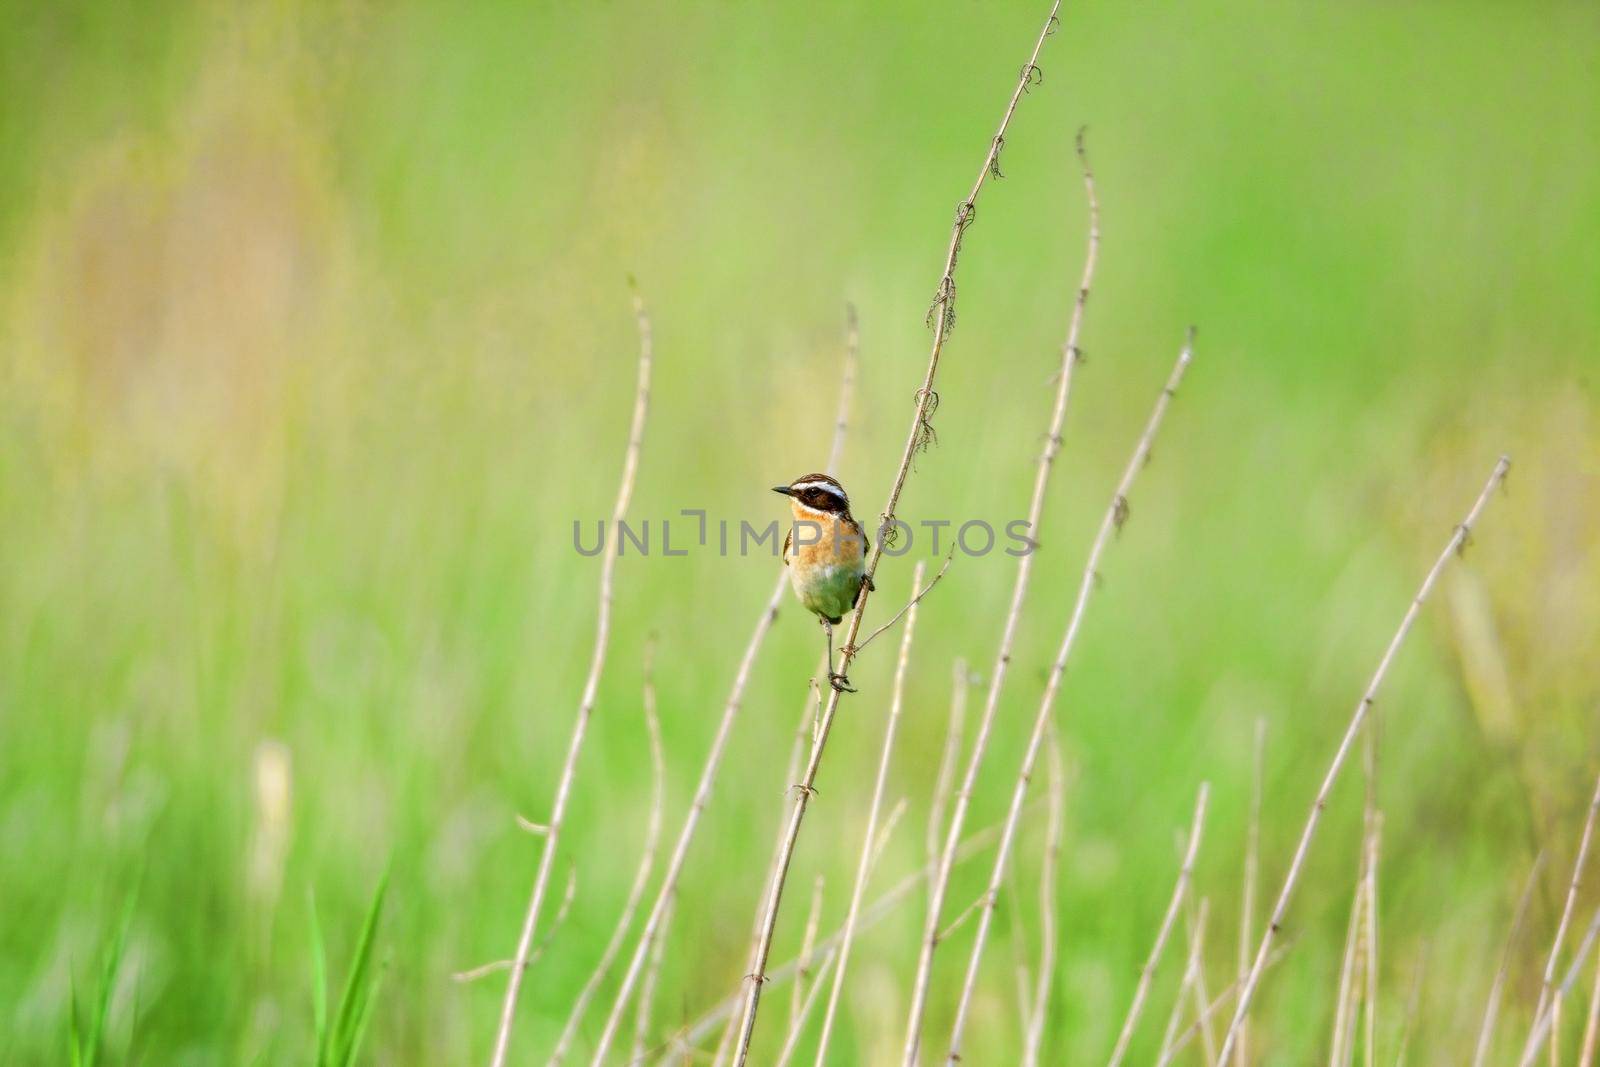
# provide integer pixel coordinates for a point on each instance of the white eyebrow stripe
(828, 487)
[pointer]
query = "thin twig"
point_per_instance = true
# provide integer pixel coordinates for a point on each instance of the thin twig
(1116, 515)
(591, 686)
(864, 865)
(1542, 1027)
(939, 887)
(1034, 1034)
(1252, 876)
(962, 916)
(807, 945)
(1297, 865)
(919, 438)
(960, 682)
(1491, 1011)
(791, 1040)
(655, 923)
(647, 859)
(923, 591)
(1547, 990)
(647, 994)
(1147, 972)
(1202, 997)
(497, 966)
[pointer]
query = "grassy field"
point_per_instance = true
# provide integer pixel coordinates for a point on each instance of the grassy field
(315, 340)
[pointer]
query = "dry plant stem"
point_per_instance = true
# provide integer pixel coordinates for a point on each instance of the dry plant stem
(864, 865)
(791, 773)
(959, 684)
(1491, 1011)
(1197, 938)
(1034, 1034)
(1070, 357)
(1548, 983)
(591, 685)
(922, 591)
(647, 997)
(1357, 719)
(1374, 834)
(1147, 972)
(1252, 877)
(654, 925)
(880, 908)
(1116, 514)
(1175, 1016)
(1338, 1052)
(1591, 1028)
(807, 945)
(647, 859)
(791, 1040)
(942, 314)
(1545, 1022)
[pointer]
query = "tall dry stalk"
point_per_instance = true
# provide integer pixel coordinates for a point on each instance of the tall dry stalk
(1547, 987)
(641, 876)
(655, 922)
(647, 996)
(939, 886)
(942, 318)
(1491, 1011)
(1374, 835)
(1034, 1032)
(879, 786)
(1357, 719)
(1112, 522)
(797, 749)
(807, 944)
(591, 686)
(1252, 877)
(1146, 973)
(1344, 1005)
(960, 683)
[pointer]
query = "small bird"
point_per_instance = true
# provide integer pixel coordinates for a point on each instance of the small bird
(825, 551)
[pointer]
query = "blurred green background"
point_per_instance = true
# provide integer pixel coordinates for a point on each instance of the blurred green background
(316, 339)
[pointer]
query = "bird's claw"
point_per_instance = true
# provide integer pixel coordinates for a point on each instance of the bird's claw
(840, 683)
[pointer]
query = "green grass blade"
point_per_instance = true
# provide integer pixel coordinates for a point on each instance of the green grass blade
(357, 988)
(319, 983)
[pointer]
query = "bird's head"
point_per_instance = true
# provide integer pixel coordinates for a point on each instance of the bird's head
(816, 493)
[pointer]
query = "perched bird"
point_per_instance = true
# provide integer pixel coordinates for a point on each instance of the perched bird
(825, 551)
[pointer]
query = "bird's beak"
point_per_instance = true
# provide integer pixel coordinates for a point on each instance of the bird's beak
(784, 489)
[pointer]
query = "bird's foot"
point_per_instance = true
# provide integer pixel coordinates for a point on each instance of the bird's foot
(841, 683)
